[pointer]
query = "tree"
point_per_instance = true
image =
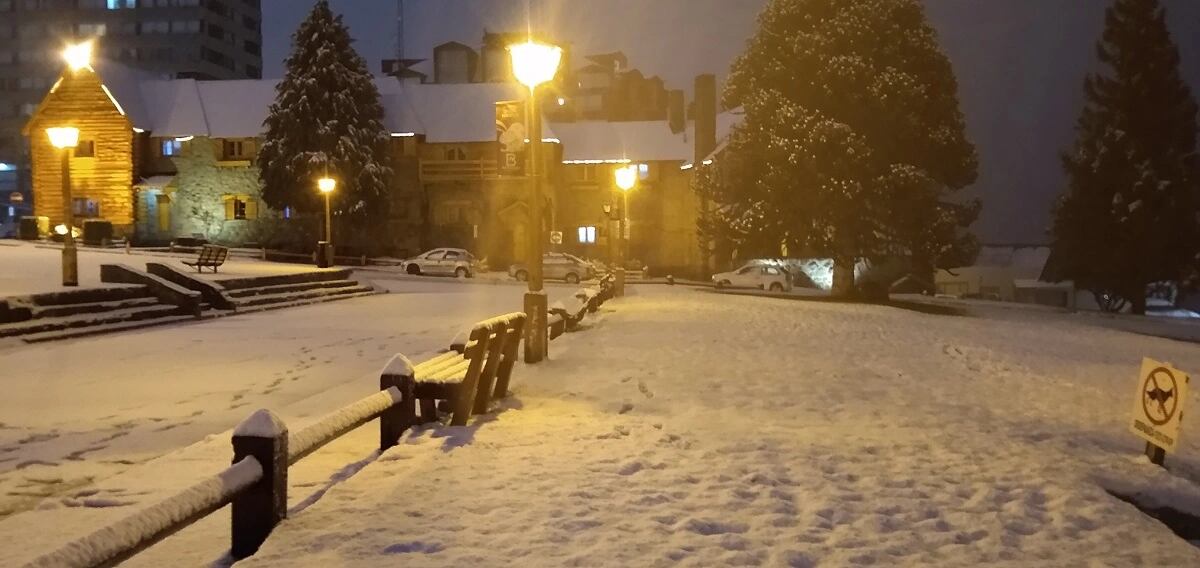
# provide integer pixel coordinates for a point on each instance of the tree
(1128, 218)
(852, 141)
(327, 119)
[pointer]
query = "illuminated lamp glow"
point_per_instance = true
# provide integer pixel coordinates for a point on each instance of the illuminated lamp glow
(626, 177)
(326, 185)
(184, 138)
(139, 130)
(686, 167)
(551, 140)
(403, 134)
(78, 56)
(707, 162)
(534, 63)
(63, 137)
(577, 162)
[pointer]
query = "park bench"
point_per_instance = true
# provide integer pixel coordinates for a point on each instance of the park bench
(474, 372)
(211, 256)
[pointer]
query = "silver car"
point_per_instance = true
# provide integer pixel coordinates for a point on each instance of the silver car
(557, 266)
(442, 262)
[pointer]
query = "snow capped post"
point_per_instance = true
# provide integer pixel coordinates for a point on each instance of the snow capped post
(398, 373)
(256, 511)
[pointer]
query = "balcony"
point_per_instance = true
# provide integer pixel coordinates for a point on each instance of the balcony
(457, 170)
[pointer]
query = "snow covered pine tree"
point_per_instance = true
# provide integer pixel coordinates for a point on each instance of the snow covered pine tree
(1128, 218)
(327, 118)
(852, 140)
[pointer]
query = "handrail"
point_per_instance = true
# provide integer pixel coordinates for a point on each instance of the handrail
(118, 542)
(339, 422)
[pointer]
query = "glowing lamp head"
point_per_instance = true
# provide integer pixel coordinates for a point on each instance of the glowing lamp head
(326, 185)
(534, 63)
(78, 56)
(63, 137)
(627, 177)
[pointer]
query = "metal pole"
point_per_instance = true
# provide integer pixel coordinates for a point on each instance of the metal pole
(536, 340)
(328, 222)
(622, 220)
(70, 259)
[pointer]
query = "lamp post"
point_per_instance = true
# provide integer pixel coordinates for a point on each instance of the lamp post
(65, 138)
(626, 181)
(326, 185)
(534, 63)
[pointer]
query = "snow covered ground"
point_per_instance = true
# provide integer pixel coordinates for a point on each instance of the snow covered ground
(80, 411)
(30, 268)
(696, 429)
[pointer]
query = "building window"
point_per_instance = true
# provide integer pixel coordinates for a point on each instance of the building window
(456, 153)
(581, 173)
(86, 149)
(92, 29)
(84, 207)
(236, 150)
(587, 235)
(120, 4)
(170, 147)
(240, 207)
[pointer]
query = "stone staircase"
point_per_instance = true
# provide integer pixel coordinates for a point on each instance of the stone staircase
(87, 311)
(92, 311)
(287, 290)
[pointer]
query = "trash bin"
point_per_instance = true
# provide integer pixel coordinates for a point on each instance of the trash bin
(28, 229)
(324, 254)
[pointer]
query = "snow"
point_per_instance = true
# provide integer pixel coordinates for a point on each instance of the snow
(262, 424)
(687, 428)
(110, 541)
(93, 428)
(398, 366)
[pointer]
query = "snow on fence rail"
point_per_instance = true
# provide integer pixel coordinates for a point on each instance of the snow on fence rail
(256, 485)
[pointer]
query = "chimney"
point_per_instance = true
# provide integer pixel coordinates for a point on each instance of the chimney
(675, 112)
(706, 116)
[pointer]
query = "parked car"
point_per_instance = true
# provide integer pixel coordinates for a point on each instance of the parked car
(756, 275)
(443, 262)
(557, 266)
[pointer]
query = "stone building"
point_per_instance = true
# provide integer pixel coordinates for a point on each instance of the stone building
(178, 157)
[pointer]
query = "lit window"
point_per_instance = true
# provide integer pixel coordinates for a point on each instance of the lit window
(643, 171)
(287, 212)
(84, 207)
(171, 147)
(238, 207)
(587, 235)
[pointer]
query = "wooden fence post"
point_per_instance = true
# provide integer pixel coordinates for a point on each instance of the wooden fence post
(398, 373)
(257, 510)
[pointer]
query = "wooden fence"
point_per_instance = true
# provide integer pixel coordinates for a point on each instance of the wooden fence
(471, 375)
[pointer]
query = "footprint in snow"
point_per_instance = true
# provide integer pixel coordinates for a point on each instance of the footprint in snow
(625, 407)
(645, 389)
(414, 547)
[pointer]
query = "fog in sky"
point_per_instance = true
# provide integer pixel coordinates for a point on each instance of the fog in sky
(1020, 65)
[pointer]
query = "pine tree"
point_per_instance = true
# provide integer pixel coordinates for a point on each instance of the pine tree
(327, 119)
(852, 140)
(1128, 218)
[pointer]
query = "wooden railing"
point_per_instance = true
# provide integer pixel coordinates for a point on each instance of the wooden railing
(256, 484)
(457, 170)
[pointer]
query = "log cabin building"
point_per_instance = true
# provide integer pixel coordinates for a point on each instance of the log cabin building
(161, 158)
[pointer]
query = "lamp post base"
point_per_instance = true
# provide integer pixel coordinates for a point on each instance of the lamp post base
(536, 338)
(324, 254)
(70, 267)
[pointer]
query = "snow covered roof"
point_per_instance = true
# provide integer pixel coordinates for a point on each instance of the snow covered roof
(458, 112)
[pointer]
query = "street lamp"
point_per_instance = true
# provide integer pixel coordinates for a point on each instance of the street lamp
(626, 179)
(534, 63)
(65, 138)
(326, 185)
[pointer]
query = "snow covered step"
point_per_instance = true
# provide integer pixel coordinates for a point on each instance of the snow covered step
(46, 324)
(287, 288)
(91, 307)
(305, 302)
(89, 295)
(277, 280)
(71, 333)
(350, 287)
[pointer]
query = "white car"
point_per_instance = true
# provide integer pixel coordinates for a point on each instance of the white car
(760, 276)
(442, 262)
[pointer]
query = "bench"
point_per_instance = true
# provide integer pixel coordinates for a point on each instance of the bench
(211, 256)
(468, 377)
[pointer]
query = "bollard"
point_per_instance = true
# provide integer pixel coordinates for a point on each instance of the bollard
(128, 246)
(398, 373)
(670, 280)
(257, 510)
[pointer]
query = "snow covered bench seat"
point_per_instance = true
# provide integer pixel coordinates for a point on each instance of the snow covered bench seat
(470, 376)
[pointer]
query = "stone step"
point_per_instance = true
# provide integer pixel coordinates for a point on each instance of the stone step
(280, 279)
(72, 333)
(289, 288)
(89, 295)
(306, 302)
(91, 307)
(288, 297)
(41, 325)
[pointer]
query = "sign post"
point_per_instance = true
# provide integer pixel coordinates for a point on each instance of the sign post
(1158, 408)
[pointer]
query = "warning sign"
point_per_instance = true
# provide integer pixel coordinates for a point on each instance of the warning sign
(1158, 405)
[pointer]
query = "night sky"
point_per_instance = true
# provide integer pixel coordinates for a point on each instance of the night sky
(1020, 65)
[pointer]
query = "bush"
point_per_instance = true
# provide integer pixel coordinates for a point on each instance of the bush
(97, 232)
